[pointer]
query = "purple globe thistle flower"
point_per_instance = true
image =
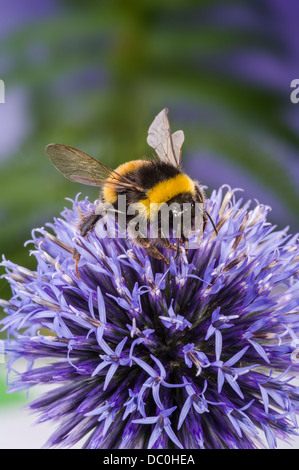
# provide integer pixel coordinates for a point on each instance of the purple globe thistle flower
(200, 354)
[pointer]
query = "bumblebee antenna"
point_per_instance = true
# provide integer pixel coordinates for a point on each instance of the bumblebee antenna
(212, 222)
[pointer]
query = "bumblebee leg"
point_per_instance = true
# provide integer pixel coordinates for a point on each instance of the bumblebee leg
(184, 240)
(177, 248)
(204, 224)
(87, 224)
(165, 241)
(171, 246)
(151, 249)
(76, 258)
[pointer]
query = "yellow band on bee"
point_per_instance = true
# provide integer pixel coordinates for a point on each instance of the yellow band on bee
(166, 190)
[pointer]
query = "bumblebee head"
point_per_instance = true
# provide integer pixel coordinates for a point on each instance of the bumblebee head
(185, 209)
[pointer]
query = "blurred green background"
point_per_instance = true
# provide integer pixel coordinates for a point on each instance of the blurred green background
(94, 75)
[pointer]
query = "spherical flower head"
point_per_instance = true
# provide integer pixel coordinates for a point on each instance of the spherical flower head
(202, 353)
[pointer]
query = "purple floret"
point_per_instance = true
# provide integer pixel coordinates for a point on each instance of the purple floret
(200, 354)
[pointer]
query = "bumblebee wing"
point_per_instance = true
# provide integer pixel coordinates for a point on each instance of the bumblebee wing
(82, 168)
(167, 146)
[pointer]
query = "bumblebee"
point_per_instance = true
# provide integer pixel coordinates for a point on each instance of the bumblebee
(157, 181)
